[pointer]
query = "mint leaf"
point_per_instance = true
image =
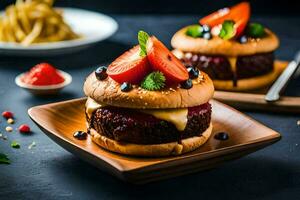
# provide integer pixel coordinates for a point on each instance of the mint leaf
(4, 159)
(154, 81)
(194, 31)
(256, 30)
(15, 144)
(143, 38)
(227, 31)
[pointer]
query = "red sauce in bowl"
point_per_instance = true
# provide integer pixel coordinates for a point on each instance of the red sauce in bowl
(42, 74)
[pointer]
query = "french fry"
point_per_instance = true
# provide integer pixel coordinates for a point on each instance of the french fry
(37, 28)
(19, 34)
(2, 37)
(34, 21)
(24, 21)
(8, 31)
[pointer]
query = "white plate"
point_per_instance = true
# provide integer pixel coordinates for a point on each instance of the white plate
(94, 27)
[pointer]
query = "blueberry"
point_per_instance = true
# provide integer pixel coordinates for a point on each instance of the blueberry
(102, 68)
(221, 136)
(187, 84)
(80, 135)
(101, 73)
(205, 28)
(193, 72)
(126, 87)
(243, 39)
(207, 36)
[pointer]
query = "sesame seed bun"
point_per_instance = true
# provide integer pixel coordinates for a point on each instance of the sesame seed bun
(218, 46)
(108, 92)
(151, 150)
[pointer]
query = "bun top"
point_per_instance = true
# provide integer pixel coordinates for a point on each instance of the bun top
(218, 46)
(108, 92)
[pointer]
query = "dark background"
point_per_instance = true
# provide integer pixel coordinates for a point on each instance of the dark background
(200, 7)
(50, 172)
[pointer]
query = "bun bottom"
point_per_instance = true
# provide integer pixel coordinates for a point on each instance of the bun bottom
(151, 150)
(253, 82)
(246, 83)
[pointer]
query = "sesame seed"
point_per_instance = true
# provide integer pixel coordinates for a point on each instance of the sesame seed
(9, 129)
(10, 121)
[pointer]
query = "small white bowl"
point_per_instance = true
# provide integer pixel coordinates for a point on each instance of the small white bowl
(47, 89)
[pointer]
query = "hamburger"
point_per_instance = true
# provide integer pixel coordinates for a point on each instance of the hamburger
(236, 54)
(146, 103)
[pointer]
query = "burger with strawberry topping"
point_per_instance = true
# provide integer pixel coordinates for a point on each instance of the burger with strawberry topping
(237, 54)
(147, 103)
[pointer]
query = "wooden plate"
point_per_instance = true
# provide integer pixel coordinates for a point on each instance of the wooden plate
(256, 99)
(60, 120)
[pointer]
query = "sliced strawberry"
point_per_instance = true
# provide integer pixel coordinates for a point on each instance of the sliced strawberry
(215, 18)
(239, 13)
(161, 59)
(129, 67)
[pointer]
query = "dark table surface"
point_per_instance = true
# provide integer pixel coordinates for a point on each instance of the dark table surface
(50, 172)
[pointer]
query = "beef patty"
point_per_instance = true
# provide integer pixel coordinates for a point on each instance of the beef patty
(218, 67)
(129, 125)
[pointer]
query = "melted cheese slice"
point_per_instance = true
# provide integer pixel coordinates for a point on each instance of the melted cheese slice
(91, 106)
(232, 61)
(178, 117)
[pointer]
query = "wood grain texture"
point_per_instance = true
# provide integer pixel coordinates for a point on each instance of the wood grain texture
(258, 102)
(255, 100)
(60, 120)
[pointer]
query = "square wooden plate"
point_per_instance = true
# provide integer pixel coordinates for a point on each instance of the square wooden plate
(60, 120)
